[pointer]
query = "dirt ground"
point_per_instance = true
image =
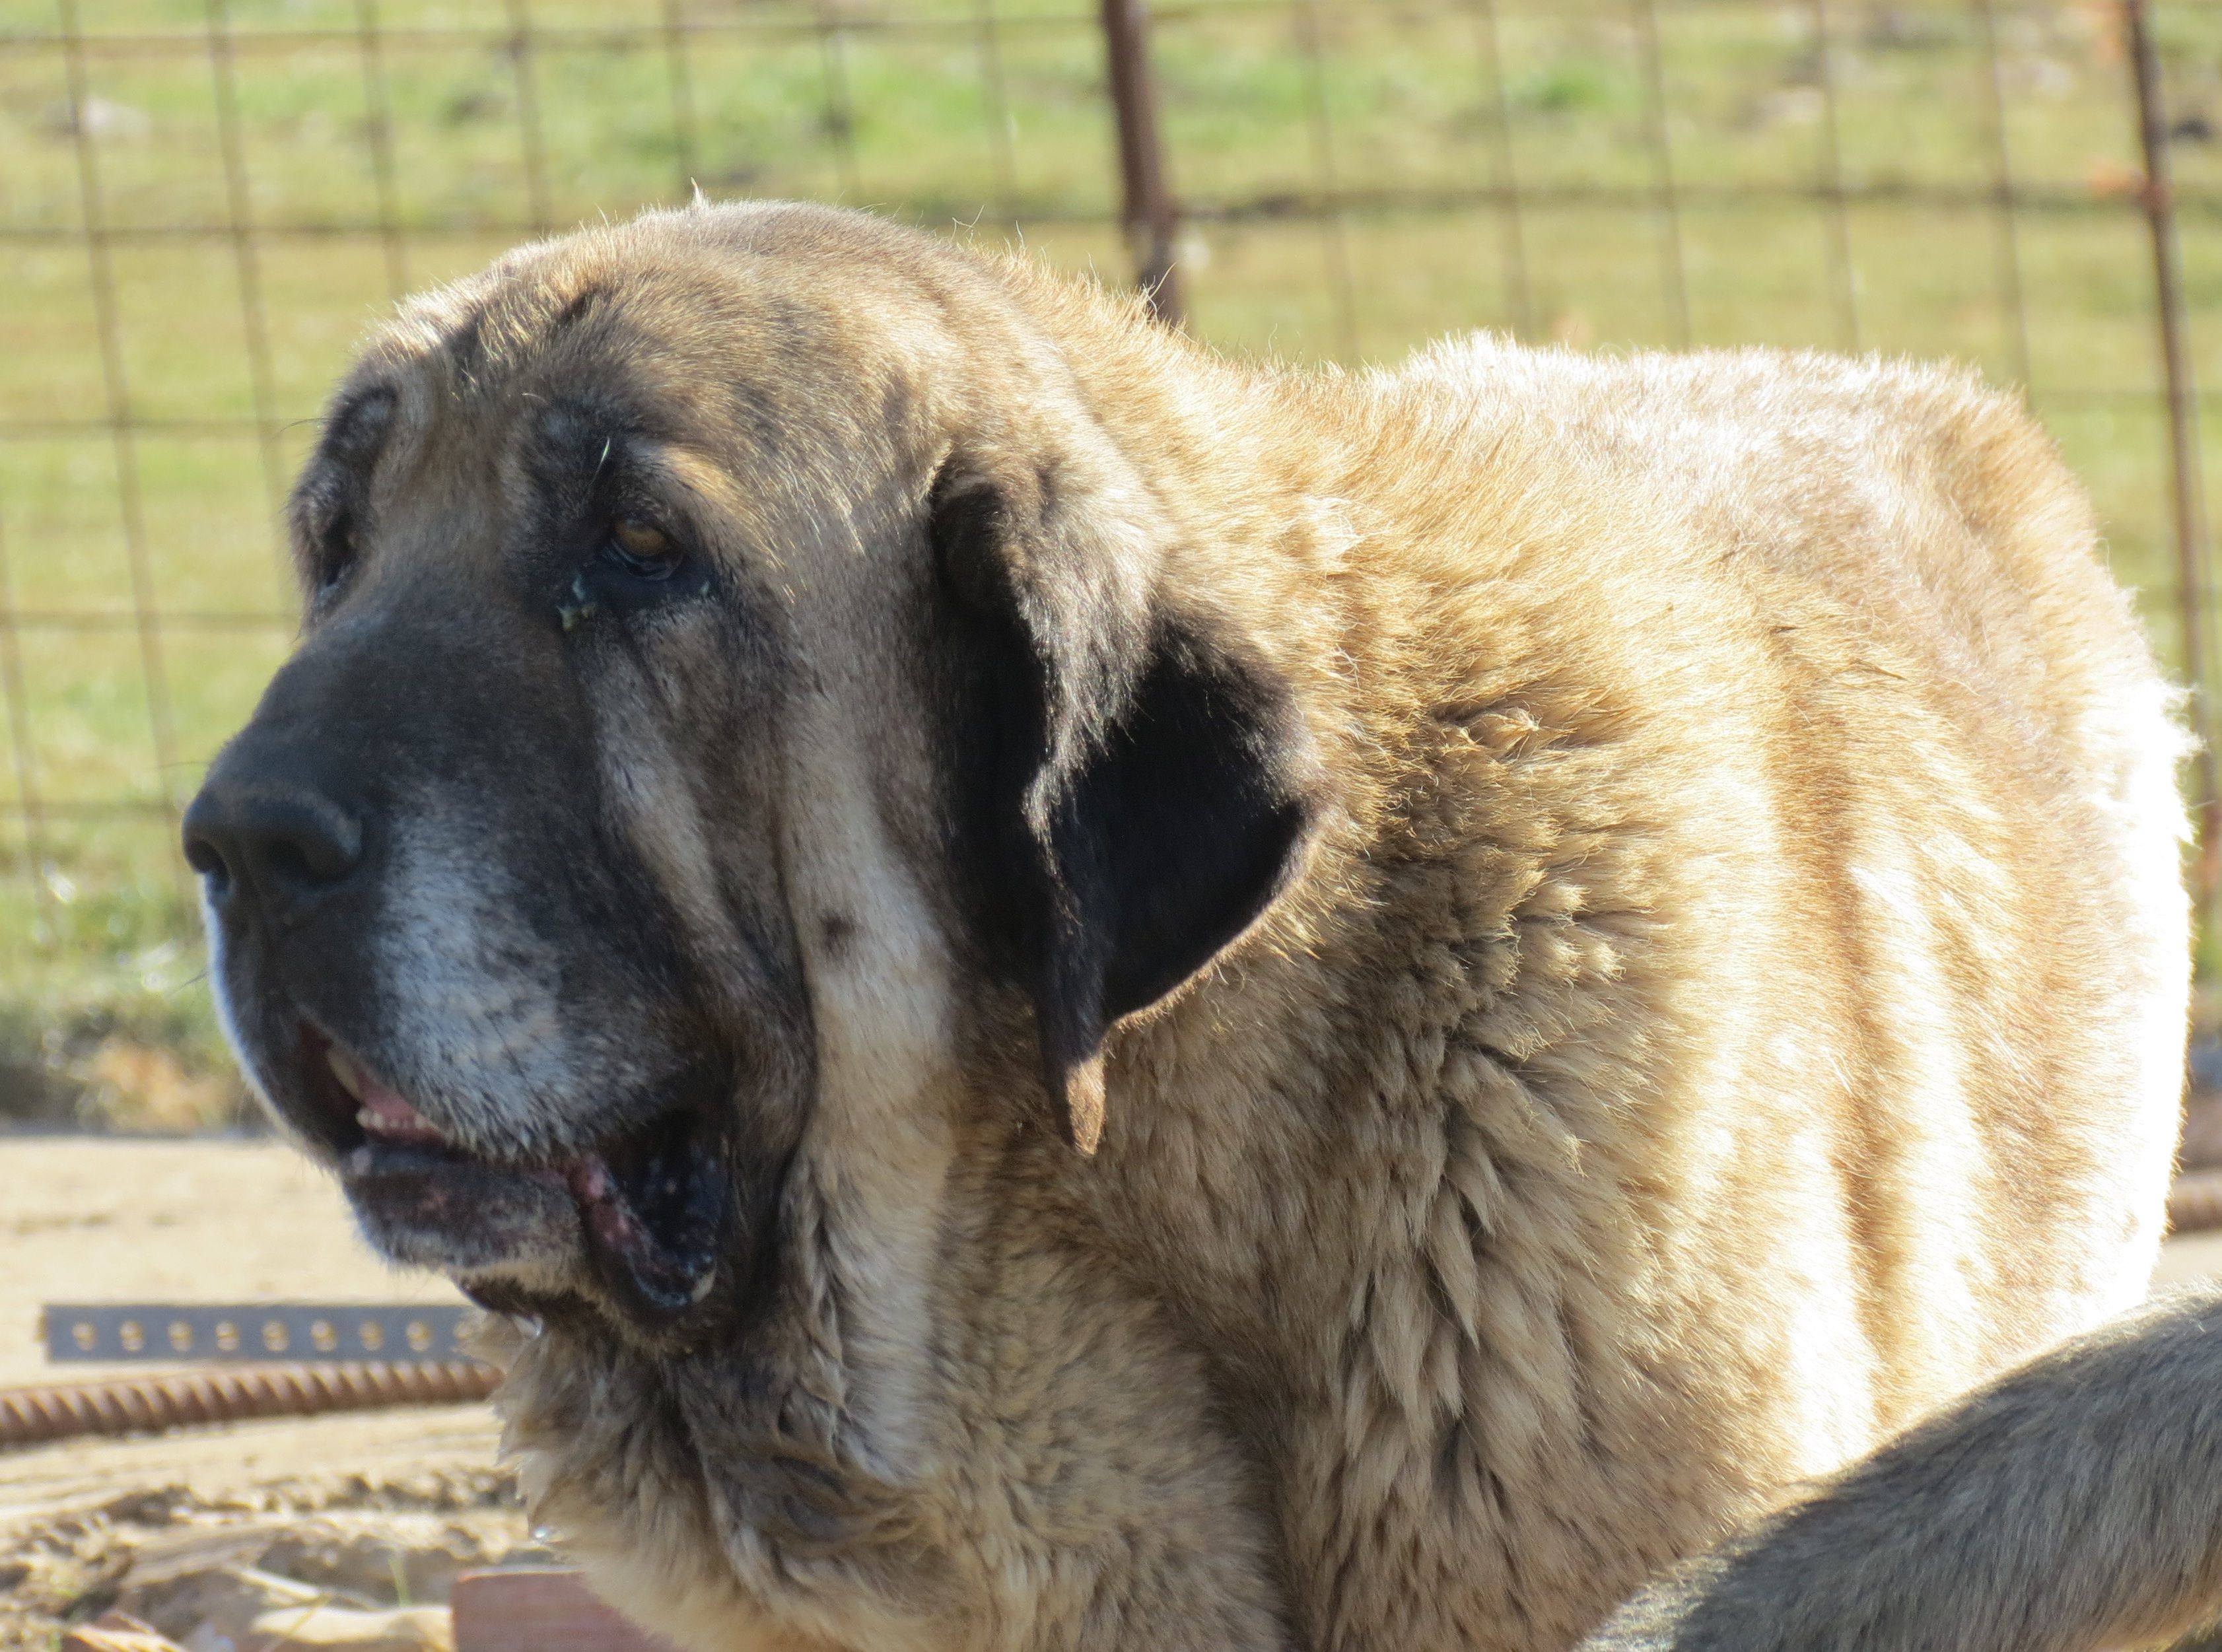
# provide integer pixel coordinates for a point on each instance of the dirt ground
(203, 1530)
(100, 1219)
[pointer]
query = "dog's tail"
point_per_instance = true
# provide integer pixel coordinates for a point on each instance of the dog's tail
(2074, 1504)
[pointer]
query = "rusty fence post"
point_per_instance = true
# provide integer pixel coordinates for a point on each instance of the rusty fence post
(1148, 213)
(2183, 443)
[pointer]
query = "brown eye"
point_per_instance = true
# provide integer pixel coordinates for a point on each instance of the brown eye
(641, 548)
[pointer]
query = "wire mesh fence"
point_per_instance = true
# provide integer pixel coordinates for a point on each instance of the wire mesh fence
(202, 203)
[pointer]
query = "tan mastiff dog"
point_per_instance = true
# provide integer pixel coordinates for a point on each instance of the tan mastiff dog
(1083, 997)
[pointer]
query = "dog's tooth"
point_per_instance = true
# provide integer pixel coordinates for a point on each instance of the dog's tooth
(345, 1071)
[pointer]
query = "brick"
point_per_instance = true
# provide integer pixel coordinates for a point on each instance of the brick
(538, 1608)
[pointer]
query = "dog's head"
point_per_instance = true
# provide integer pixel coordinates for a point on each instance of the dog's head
(715, 626)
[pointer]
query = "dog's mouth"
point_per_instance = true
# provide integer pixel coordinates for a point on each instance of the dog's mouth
(648, 1209)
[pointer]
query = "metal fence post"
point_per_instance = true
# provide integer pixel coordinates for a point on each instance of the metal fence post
(1148, 211)
(2183, 443)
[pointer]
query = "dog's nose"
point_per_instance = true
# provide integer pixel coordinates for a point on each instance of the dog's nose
(284, 843)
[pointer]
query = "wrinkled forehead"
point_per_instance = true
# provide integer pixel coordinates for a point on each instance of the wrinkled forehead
(733, 368)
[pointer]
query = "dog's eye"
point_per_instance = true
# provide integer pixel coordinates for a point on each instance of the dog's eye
(641, 548)
(335, 552)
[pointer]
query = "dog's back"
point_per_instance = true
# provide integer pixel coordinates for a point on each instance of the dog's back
(1876, 592)
(1867, 597)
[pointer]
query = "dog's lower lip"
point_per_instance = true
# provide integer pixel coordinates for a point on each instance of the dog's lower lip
(377, 1157)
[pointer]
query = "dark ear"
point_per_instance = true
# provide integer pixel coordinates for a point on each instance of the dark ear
(1133, 790)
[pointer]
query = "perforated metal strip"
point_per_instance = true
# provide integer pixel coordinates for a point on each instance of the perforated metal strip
(171, 1334)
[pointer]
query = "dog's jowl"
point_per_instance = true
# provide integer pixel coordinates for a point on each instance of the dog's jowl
(1071, 995)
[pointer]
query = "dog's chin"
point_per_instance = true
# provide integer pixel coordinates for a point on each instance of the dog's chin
(635, 1224)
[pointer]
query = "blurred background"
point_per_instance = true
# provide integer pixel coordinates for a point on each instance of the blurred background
(204, 202)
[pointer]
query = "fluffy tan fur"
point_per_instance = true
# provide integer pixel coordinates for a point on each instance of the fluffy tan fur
(1732, 999)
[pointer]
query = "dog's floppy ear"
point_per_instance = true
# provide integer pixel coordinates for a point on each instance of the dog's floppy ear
(1134, 786)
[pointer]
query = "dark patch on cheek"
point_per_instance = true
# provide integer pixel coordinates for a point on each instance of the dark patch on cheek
(836, 935)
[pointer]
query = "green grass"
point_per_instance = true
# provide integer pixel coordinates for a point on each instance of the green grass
(897, 110)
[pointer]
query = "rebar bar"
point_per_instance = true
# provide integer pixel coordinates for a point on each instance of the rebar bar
(139, 1406)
